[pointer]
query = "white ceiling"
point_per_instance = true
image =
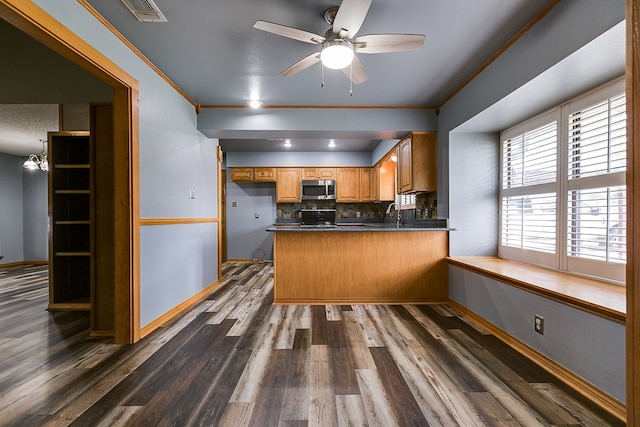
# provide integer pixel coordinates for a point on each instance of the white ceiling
(22, 126)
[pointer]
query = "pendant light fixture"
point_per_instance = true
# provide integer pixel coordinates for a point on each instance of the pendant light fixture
(38, 162)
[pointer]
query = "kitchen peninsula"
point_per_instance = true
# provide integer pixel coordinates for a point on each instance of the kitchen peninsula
(360, 264)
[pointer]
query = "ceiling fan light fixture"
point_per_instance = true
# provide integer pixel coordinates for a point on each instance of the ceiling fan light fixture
(336, 54)
(254, 103)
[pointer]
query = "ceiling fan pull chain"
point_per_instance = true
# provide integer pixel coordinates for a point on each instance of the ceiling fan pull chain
(351, 79)
(322, 74)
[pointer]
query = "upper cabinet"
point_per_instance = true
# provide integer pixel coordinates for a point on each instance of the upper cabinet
(253, 174)
(288, 185)
(367, 184)
(348, 185)
(385, 180)
(416, 170)
(318, 173)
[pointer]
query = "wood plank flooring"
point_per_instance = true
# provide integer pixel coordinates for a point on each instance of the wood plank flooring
(238, 360)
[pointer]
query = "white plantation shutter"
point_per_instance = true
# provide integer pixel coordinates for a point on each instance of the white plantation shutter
(596, 200)
(530, 158)
(529, 175)
(597, 139)
(563, 193)
(597, 224)
(529, 222)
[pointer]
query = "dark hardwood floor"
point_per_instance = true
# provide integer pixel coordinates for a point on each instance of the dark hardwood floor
(237, 360)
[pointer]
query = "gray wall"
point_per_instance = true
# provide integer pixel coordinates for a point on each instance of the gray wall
(23, 212)
(11, 222)
(245, 232)
(590, 346)
(35, 215)
(553, 62)
(176, 261)
(473, 178)
(298, 158)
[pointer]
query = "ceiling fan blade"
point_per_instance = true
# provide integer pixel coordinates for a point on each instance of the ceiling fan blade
(303, 64)
(350, 16)
(356, 72)
(289, 32)
(382, 43)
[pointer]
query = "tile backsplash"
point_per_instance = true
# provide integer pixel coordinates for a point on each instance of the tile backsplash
(371, 211)
(426, 207)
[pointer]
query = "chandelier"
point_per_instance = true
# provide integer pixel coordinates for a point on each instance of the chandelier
(37, 162)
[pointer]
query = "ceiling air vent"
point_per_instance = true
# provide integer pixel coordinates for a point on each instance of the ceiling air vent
(145, 10)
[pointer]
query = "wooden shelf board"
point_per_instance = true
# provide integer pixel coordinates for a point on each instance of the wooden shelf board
(72, 191)
(77, 253)
(78, 222)
(73, 166)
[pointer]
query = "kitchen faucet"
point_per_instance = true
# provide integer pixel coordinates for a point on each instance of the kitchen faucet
(391, 205)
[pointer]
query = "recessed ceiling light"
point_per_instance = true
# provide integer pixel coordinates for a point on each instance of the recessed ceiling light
(332, 143)
(254, 103)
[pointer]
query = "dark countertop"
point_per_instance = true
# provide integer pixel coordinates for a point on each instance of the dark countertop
(425, 225)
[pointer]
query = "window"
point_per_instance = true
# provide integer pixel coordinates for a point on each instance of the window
(563, 193)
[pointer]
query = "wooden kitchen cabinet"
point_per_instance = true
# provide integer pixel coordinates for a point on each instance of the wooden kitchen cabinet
(264, 174)
(385, 184)
(416, 170)
(253, 174)
(288, 185)
(348, 184)
(318, 173)
(368, 178)
(241, 174)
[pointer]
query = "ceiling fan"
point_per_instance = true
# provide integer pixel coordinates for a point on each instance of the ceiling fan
(340, 44)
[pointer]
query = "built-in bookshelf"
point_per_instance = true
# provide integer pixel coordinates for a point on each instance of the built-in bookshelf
(71, 220)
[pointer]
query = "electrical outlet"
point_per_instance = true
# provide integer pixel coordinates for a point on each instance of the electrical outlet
(538, 324)
(257, 215)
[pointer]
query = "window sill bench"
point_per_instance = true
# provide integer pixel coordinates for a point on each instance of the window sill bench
(600, 298)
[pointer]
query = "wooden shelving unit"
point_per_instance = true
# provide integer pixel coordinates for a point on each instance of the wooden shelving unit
(71, 220)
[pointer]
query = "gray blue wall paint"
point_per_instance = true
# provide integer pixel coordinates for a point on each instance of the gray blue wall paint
(474, 181)
(174, 157)
(245, 232)
(590, 346)
(298, 158)
(342, 123)
(23, 212)
(176, 262)
(11, 209)
(35, 215)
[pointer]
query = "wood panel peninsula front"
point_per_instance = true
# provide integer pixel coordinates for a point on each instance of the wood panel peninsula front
(360, 264)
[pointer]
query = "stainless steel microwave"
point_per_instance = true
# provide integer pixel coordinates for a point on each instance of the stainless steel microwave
(322, 189)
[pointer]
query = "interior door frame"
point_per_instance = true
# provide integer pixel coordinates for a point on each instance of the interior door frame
(32, 20)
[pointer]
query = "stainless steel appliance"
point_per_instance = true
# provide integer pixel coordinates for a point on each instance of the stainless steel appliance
(322, 189)
(318, 217)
